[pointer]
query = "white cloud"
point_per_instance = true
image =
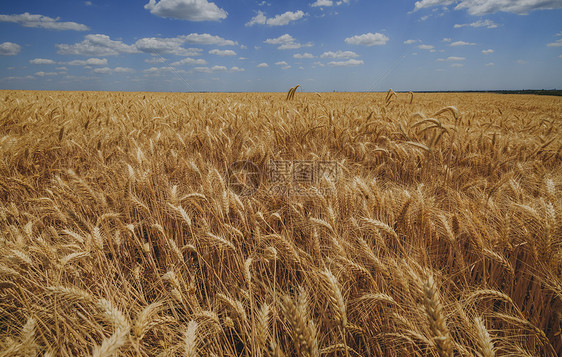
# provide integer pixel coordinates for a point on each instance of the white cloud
(322, 3)
(451, 58)
(192, 10)
(42, 61)
(426, 47)
(222, 52)
(349, 62)
(262, 65)
(303, 55)
(480, 23)
(103, 45)
(102, 70)
(190, 61)
(123, 70)
(207, 39)
(9, 49)
(490, 64)
(286, 42)
(161, 46)
(62, 68)
(367, 39)
(409, 42)
(259, 19)
(462, 43)
(155, 60)
(446, 39)
(457, 65)
(520, 61)
(210, 69)
(559, 34)
(162, 70)
(96, 45)
(283, 64)
(279, 20)
(557, 43)
(430, 3)
(485, 7)
(236, 69)
(339, 54)
(88, 3)
(488, 51)
(88, 62)
(521, 7)
(44, 74)
(28, 20)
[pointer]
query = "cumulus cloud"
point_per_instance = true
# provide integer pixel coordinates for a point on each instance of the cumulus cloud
(210, 69)
(367, 39)
(430, 3)
(461, 43)
(192, 10)
(322, 3)
(349, 62)
(286, 42)
(29, 20)
(485, 7)
(103, 45)
(155, 60)
(488, 51)
(190, 61)
(9, 49)
(328, 3)
(410, 42)
(259, 19)
(207, 39)
(279, 20)
(45, 74)
(490, 64)
(162, 70)
(303, 55)
(283, 64)
(236, 69)
(557, 43)
(42, 61)
(222, 52)
(339, 54)
(96, 45)
(102, 70)
(447, 39)
(165, 46)
(480, 23)
(88, 62)
(262, 65)
(451, 58)
(123, 70)
(426, 47)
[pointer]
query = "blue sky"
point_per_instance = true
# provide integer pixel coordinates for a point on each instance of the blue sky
(255, 45)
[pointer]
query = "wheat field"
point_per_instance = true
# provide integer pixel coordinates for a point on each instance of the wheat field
(120, 234)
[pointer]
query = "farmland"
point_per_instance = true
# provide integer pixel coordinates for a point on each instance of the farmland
(121, 232)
